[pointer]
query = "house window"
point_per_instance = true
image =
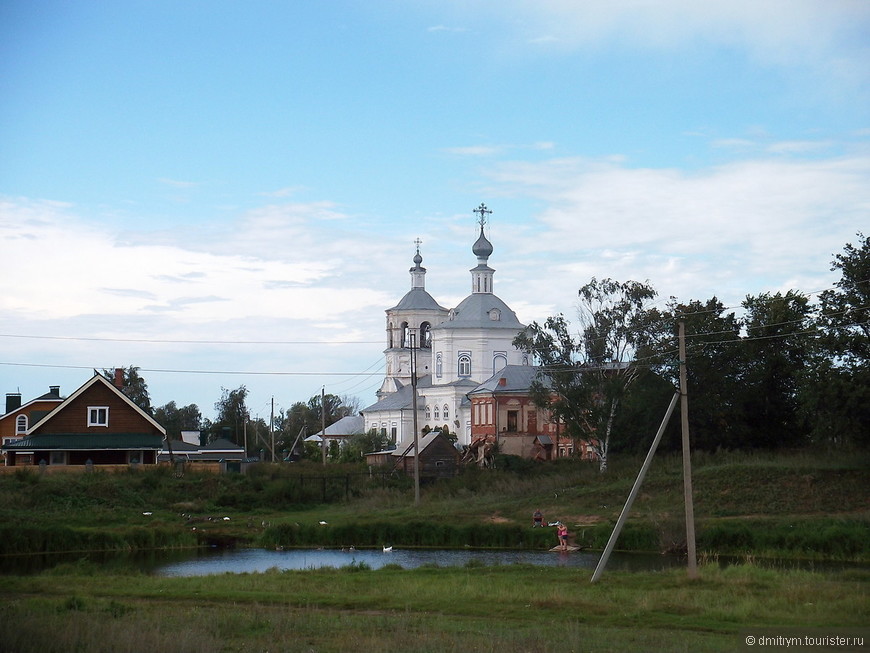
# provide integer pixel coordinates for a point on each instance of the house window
(58, 458)
(464, 364)
(98, 416)
(446, 412)
(21, 424)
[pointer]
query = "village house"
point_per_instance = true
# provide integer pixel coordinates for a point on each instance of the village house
(18, 418)
(97, 424)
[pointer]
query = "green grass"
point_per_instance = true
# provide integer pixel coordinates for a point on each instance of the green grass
(805, 503)
(503, 608)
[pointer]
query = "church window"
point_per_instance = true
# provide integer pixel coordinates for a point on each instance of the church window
(446, 412)
(390, 335)
(21, 424)
(428, 413)
(439, 366)
(437, 414)
(499, 362)
(406, 335)
(495, 315)
(464, 364)
(425, 335)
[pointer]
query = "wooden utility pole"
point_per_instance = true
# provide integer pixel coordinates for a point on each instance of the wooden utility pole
(323, 422)
(414, 408)
(687, 460)
(620, 522)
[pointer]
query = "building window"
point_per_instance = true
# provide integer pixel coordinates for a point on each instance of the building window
(446, 412)
(495, 315)
(499, 362)
(428, 413)
(464, 364)
(425, 335)
(21, 424)
(437, 414)
(439, 367)
(58, 458)
(98, 415)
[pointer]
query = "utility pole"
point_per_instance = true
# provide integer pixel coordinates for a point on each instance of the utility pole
(272, 428)
(323, 422)
(687, 460)
(414, 408)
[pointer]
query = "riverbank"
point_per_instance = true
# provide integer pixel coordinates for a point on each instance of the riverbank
(502, 608)
(798, 504)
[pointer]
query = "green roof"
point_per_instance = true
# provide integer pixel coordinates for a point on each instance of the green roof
(87, 441)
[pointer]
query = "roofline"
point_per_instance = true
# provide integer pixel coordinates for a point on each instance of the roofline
(87, 384)
(23, 406)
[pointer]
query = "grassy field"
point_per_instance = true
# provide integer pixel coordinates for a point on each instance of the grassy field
(502, 608)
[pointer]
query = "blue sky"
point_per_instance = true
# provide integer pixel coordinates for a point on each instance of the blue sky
(207, 190)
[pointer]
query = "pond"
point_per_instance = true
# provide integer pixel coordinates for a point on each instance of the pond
(219, 561)
(203, 562)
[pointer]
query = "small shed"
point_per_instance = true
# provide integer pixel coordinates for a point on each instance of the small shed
(438, 456)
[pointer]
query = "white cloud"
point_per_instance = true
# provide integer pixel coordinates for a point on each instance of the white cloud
(742, 228)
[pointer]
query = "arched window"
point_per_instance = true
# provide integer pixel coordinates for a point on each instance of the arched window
(439, 366)
(446, 412)
(464, 364)
(428, 413)
(437, 414)
(499, 362)
(425, 335)
(406, 335)
(21, 424)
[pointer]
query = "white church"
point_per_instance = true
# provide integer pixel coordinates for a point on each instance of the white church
(455, 350)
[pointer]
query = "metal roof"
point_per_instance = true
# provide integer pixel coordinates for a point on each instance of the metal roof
(474, 312)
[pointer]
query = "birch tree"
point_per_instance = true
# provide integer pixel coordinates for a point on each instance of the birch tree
(585, 375)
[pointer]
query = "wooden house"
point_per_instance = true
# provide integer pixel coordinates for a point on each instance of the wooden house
(97, 424)
(18, 418)
(438, 456)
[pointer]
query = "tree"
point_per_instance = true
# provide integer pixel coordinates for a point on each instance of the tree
(777, 348)
(836, 393)
(231, 415)
(583, 380)
(134, 386)
(714, 369)
(175, 420)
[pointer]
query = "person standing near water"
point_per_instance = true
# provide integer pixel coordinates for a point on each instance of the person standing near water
(562, 533)
(537, 519)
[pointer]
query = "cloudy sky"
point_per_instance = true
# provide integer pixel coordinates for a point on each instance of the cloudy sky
(228, 193)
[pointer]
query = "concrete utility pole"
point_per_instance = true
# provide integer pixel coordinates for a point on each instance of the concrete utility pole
(687, 460)
(414, 408)
(272, 428)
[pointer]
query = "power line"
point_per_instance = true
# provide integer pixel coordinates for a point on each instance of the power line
(159, 341)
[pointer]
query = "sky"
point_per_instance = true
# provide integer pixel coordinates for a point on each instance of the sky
(229, 193)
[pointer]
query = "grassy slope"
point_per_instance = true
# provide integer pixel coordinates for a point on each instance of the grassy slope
(760, 492)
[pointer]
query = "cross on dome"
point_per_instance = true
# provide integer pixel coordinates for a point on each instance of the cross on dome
(482, 210)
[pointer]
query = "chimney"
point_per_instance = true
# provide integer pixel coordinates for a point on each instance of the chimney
(119, 378)
(502, 381)
(54, 390)
(13, 401)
